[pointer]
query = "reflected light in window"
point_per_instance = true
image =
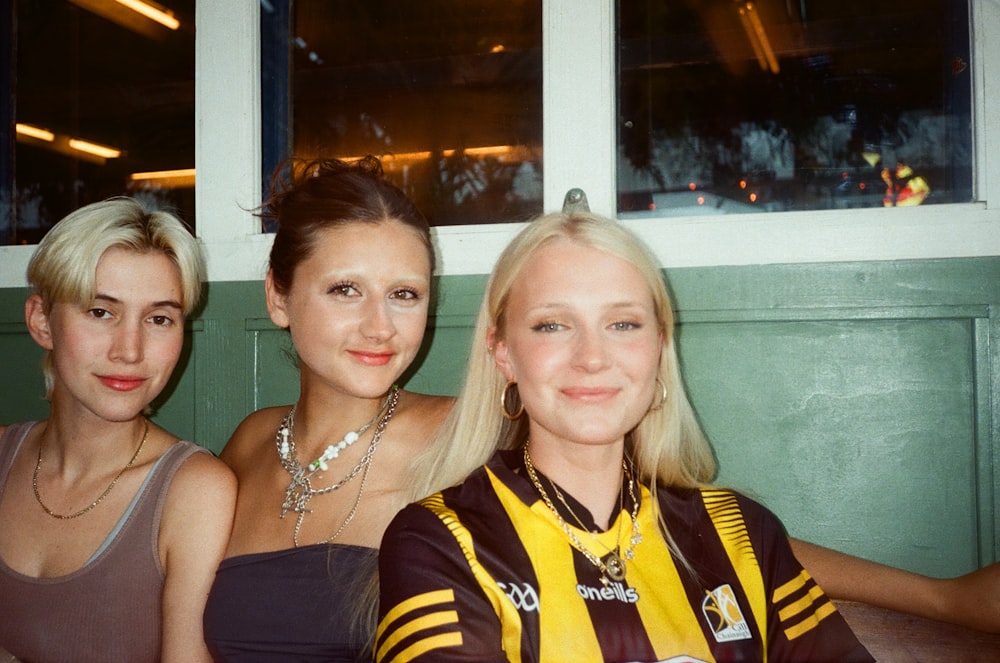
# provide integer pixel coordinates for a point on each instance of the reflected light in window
(34, 132)
(758, 38)
(95, 149)
(149, 11)
(165, 179)
(500, 151)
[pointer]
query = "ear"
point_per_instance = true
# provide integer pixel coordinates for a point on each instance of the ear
(501, 355)
(276, 302)
(37, 320)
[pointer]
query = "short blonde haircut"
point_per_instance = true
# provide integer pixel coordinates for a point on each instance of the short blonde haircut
(667, 445)
(64, 267)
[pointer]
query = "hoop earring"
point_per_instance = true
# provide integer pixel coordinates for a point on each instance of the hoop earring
(511, 416)
(663, 396)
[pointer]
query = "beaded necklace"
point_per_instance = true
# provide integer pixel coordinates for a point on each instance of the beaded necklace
(300, 489)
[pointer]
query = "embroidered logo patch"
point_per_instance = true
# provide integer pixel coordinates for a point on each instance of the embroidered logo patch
(724, 615)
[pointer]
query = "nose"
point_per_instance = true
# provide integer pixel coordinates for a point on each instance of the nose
(127, 342)
(590, 354)
(376, 322)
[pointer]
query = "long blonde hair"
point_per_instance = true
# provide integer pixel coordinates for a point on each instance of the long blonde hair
(667, 446)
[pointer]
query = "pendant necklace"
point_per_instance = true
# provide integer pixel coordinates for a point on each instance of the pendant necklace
(300, 489)
(614, 567)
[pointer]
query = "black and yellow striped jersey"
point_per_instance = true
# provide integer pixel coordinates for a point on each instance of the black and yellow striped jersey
(485, 572)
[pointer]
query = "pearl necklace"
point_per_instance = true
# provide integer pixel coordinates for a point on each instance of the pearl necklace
(38, 495)
(300, 490)
(615, 565)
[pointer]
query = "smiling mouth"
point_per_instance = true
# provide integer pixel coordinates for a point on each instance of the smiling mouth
(590, 394)
(121, 383)
(373, 358)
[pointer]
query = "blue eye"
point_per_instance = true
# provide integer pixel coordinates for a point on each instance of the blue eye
(624, 325)
(547, 327)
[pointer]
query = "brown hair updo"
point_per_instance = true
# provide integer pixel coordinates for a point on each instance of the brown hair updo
(308, 197)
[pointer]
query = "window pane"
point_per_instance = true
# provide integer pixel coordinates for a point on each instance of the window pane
(95, 71)
(448, 92)
(771, 105)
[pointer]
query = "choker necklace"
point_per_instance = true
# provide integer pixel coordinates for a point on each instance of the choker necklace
(38, 465)
(615, 565)
(300, 490)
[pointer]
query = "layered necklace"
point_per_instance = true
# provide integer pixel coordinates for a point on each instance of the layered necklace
(614, 566)
(38, 495)
(300, 489)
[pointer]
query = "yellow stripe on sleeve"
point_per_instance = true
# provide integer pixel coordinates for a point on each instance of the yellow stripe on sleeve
(414, 603)
(811, 622)
(416, 626)
(800, 605)
(424, 646)
(790, 587)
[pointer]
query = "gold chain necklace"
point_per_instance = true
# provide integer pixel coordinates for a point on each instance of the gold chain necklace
(615, 565)
(38, 496)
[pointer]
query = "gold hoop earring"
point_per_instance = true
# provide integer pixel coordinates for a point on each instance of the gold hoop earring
(503, 403)
(653, 407)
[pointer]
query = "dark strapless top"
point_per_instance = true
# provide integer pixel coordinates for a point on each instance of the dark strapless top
(289, 605)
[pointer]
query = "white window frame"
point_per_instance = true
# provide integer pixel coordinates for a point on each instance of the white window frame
(579, 144)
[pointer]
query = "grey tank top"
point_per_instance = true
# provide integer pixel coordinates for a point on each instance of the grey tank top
(108, 610)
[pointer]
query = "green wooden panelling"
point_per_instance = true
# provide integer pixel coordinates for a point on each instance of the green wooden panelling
(860, 401)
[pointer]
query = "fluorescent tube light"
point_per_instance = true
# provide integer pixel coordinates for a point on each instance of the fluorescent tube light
(35, 132)
(151, 12)
(94, 148)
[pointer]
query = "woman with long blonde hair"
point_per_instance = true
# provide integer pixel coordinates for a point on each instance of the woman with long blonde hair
(592, 533)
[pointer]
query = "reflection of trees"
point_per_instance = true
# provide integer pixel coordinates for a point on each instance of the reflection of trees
(462, 188)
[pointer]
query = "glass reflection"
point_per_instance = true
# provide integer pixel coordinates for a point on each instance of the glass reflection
(447, 92)
(102, 104)
(771, 105)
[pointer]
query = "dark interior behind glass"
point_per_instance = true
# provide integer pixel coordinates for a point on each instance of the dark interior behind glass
(771, 105)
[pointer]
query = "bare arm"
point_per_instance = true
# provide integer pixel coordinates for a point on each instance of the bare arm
(971, 600)
(196, 526)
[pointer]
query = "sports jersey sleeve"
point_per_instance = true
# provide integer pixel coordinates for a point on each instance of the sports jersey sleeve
(431, 607)
(803, 624)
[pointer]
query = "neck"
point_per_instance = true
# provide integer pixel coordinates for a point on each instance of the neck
(591, 474)
(324, 419)
(79, 444)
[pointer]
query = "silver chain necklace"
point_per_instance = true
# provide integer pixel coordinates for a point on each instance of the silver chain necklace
(300, 489)
(615, 565)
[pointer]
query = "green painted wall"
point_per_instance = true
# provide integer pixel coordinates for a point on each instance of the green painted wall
(860, 401)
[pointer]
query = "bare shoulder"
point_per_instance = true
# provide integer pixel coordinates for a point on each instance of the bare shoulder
(200, 500)
(423, 413)
(204, 473)
(254, 432)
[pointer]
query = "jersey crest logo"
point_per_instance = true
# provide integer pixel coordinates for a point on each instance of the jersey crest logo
(724, 615)
(523, 596)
